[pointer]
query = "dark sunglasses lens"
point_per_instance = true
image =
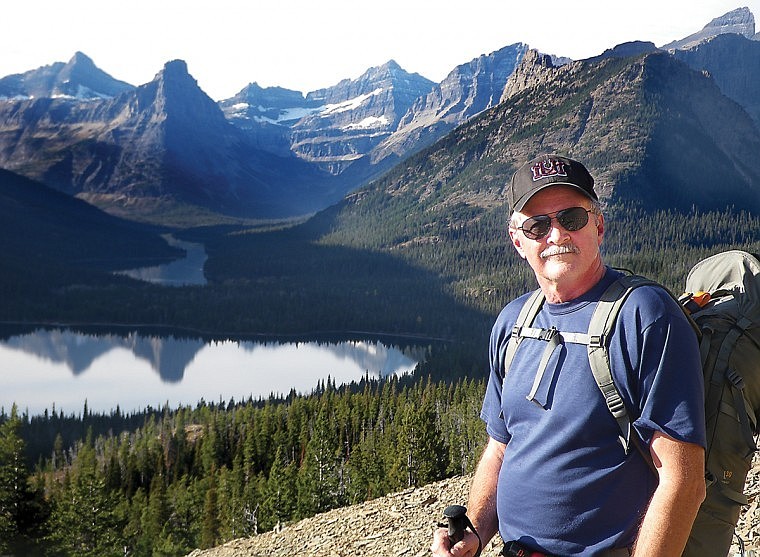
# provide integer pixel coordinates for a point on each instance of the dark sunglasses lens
(537, 227)
(573, 219)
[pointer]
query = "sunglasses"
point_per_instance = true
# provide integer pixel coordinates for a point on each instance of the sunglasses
(571, 219)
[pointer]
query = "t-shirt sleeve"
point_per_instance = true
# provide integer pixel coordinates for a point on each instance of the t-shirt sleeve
(491, 411)
(669, 391)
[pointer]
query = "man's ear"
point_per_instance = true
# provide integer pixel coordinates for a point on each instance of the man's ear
(599, 229)
(516, 241)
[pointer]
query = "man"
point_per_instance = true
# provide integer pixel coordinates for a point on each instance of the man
(554, 477)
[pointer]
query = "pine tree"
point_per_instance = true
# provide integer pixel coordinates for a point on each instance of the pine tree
(210, 526)
(319, 478)
(85, 521)
(280, 494)
(156, 513)
(13, 475)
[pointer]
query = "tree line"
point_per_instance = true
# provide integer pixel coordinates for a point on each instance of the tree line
(198, 476)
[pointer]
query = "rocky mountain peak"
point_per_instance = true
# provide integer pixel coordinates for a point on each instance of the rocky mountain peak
(534, 70)
(739, 21)
(352, 117)
(81, 60)
(174, 70)
(467, 90)
(253, 93)
(79, 78)
(389, 74)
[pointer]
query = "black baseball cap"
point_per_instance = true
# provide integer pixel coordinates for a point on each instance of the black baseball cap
(545, 171)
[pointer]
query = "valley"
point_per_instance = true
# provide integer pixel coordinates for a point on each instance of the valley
(367, 211)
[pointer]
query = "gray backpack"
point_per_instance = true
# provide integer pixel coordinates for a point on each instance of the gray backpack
(723, 304)
(723, 298)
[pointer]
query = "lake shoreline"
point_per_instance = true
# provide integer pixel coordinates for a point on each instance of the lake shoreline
(204, 334)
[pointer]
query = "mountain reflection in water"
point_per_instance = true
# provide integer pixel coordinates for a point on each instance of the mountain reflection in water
(133, 371)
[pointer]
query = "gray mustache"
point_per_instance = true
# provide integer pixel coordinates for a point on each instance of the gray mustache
(559, 250)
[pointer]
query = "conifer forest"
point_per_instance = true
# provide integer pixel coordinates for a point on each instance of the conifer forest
(165, 481)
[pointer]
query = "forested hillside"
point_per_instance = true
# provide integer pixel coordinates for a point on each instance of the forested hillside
(195, 477)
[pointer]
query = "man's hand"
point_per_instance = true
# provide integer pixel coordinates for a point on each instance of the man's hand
(441, 547)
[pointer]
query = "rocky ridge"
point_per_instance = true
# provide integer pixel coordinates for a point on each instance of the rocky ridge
(739, 21)
(401, 525)
(467, 90)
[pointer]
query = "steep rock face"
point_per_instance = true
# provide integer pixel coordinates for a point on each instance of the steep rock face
(78, 78)
(534, 70)
(732, 61)
(739, 21)
(356, 115)
(652, 131)
(163, 146)
(468, 90)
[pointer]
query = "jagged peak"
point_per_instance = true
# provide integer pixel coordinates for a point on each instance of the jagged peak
(175, 71)
(739, 16)
(739, 21)
(175, 67)
(81, 58)
(392, 65)
(530, 72)
(390, 69)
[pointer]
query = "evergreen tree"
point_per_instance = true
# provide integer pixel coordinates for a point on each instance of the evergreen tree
(280, 494)
(155, 514)
(319, 479)
(210, 526)
(85, 521)
(13, 482)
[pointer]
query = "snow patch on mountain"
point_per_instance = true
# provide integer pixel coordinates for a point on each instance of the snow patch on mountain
(368, 123)
(350, 104)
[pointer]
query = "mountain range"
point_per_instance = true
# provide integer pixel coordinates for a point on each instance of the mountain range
(165, 152)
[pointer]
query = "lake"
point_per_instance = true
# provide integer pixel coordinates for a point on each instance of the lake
(187, 270)
(61, 367)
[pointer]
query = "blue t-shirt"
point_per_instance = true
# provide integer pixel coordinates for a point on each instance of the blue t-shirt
(566, 486)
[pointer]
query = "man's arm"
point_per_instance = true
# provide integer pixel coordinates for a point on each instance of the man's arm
(674, 505)
(481, 507)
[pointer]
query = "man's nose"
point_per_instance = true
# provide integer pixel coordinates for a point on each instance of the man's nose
(556, 232)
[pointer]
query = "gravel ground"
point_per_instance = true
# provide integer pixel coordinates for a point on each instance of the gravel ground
(401, 525)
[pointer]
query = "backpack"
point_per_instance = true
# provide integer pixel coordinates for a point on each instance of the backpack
(723, 305)
(728, 316)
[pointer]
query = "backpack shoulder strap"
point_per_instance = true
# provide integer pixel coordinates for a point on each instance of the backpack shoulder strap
(525, 318)
(597, 340)
(600, 331)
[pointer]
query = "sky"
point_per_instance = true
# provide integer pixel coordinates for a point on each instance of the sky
(306, 45)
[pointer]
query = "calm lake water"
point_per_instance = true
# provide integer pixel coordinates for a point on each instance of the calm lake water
(61, 368)
(184, 271)
(64, 368)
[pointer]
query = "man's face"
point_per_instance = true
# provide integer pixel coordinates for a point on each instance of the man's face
(568, 259)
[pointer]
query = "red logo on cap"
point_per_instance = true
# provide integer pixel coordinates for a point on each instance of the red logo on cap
(547, 168)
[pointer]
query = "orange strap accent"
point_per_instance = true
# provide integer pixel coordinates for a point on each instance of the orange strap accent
(701, 298)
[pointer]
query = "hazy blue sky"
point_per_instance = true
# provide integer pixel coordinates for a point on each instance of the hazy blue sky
(311, 44)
